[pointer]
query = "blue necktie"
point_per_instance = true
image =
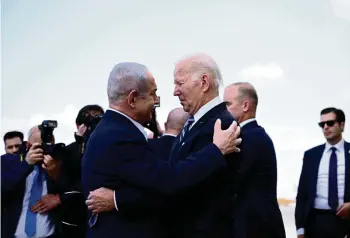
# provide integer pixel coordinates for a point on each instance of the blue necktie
(186, 128)
(333, 181)
(35, 195)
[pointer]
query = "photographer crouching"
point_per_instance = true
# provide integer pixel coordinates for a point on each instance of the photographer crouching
(30, 187)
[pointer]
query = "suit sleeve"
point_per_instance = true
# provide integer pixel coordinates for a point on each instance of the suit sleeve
(302, 197)
(13, 173)
(141, 167)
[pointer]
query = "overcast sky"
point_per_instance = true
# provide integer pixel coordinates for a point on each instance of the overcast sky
(56, 57)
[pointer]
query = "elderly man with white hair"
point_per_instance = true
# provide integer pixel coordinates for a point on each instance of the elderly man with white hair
(118, 157)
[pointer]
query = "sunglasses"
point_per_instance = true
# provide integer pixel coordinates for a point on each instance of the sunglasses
(328, 123)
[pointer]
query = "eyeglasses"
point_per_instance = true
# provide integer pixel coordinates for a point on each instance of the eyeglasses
(328, 123)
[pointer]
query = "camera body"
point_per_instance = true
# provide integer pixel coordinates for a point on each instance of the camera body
(56, 151)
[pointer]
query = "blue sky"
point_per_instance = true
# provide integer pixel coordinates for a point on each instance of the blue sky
(56, 57)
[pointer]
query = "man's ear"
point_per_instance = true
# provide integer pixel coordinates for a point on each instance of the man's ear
(342, 125)
(246, 106)
(205, 83)
(131, 98)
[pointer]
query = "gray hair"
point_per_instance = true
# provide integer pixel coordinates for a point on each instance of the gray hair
(32, 130)
(202, 63)
(124, 78)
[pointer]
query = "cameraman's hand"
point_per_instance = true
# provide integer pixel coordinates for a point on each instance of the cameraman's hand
(49, 163)
(35, 154)
(81, 130)
(51, 166)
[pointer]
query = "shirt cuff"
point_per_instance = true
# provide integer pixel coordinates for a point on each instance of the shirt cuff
(300, 231)
(115, 201)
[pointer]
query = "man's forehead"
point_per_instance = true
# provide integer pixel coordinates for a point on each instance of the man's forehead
(12, 141)
(328, 116)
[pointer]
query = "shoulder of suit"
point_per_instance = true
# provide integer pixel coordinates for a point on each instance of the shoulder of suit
(316, 148)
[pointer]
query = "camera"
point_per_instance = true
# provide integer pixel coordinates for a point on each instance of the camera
(46, 128)
(89, 120)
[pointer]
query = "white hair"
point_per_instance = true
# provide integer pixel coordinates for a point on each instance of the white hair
(124, 78)
(202, 63)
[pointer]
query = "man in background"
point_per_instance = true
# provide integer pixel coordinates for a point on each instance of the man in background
(323, 200)
(257, 213)
(173, 126)
(73, 209)
(13, 141)
(30, 192)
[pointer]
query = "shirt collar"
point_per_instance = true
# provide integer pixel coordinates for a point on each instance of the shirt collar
(243, 123)
(167, 134)
(339, 146)
(137, 124)
(206, 108)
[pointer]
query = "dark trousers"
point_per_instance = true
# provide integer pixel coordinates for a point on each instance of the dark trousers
(325, 224)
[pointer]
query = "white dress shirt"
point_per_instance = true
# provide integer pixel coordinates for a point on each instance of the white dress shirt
(321, 200)
(44, 227)
(142, 130)
(205, 108)
(243, 123)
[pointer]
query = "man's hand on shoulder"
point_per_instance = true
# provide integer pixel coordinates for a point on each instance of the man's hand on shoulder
(227, 140)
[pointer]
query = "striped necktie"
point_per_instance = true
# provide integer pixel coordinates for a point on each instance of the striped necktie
(186, 128)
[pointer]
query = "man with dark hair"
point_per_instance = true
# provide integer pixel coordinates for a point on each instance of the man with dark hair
(323, 200)
(257, 213)
(13, 141)
(73, 209)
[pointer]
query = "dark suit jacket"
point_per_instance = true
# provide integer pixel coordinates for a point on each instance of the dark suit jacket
(118, 157)
(13, 180)
(257, 213)
(308, 182)
(205, 209)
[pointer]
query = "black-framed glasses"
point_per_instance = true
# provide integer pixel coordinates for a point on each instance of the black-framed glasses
(329, 123)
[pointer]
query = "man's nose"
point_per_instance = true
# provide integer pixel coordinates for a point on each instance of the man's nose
(156, 100)
(176, 92)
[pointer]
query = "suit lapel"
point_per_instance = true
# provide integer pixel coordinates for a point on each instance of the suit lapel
(347, 171)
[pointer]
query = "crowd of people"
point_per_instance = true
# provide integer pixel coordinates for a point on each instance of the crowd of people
(212, 171)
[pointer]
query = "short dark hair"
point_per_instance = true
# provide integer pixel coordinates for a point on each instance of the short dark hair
(13, 134)
(87, 108)
(339, 114)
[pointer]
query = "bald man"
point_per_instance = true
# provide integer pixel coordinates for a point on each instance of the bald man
(173, 126)
(257, 213)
